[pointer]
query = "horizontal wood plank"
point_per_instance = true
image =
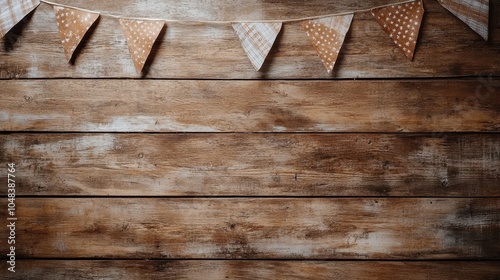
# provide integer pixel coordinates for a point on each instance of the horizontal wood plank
(254, 164)
(447, 47)
(456, 105)
(277, 228)
(251, 270)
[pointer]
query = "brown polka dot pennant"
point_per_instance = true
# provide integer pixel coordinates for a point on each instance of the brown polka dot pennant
(73, 24)
(402, 23)
(327, 36)
(141, 36)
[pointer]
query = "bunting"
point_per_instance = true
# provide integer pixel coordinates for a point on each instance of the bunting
(257, 39)
(327, 36)
(474, 13)
(327, 33)
(73, 24)
(12, 12)
(402, 23)
(141, 36)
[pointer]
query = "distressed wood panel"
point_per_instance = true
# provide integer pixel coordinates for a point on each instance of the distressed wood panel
(254, 164)
(447, 47)
(365, 162)
(250, 106)
(349, 228)
(250, 270)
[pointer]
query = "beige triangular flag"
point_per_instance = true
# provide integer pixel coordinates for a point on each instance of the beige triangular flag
(73, 24)
(327, 36)
(13, 11)
(402, 23)
(257, 39)
(475, 13)
(141, 36)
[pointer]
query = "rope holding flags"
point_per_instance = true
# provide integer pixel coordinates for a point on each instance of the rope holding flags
(327, 33)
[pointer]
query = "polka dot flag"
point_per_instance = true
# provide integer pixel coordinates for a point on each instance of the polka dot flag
(402, 23)
(327, 36)
(73, 24)
(141, 36)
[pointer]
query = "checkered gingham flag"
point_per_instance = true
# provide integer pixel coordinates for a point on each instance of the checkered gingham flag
(257, 39)
(474, 13)
(13, 11)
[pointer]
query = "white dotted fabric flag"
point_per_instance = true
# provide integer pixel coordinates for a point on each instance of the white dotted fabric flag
(475, 13)
(327, 36)
(141, 36)
(402, 23)
(13, 11)
(73, 24)
(257, 39)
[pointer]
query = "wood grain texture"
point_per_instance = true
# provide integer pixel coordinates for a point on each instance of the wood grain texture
(383, 178)
(251, 270)
(275, 228)
(456, 105)
(254, 164)
(446, 47)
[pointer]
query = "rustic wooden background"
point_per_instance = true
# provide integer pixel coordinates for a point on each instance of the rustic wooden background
(203, 168)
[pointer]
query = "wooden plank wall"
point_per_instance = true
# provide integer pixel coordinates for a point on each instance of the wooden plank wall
(203, 168)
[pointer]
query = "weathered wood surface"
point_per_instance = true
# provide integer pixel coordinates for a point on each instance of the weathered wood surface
(423, 196)
(254, 164)
(275, 228)
(457, 105)
(251, 270)
(447, 47)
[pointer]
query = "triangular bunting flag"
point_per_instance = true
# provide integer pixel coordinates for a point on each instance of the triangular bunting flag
(402, 23)
(327, 36)
(73, 24)
(474, 13)
(141, 36)
(257, 39)
(13, 11)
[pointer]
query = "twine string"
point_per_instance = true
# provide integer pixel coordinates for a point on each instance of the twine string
(228, 22)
